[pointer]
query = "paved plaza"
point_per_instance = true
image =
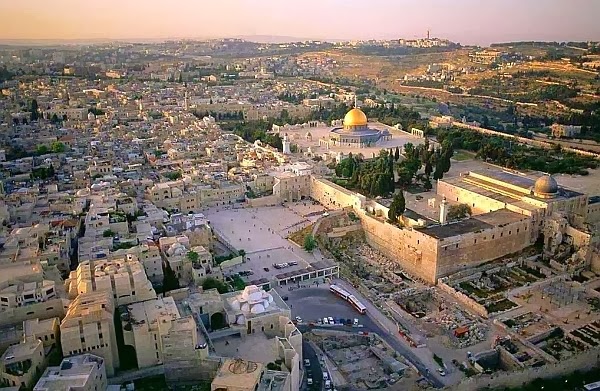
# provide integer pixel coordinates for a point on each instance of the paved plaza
(262, 232)
(399, 138)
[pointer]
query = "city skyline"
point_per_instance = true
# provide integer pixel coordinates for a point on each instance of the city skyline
(464, 21)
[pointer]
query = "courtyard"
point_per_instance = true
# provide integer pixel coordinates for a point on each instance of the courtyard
(262, 233)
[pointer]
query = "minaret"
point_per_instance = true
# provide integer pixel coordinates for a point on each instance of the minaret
(355, 101)
(286, 145)
(185, 102)
(443, 211)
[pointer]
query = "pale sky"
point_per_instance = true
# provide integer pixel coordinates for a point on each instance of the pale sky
(464, 21)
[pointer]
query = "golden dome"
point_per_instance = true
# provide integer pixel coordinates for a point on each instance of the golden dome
(355, 117)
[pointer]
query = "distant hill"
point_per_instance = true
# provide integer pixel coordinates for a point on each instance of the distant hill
(281, 39)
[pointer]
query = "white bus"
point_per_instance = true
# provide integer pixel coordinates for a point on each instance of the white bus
(351, 299)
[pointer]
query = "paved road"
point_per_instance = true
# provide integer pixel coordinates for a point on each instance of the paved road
(389, 332)
(314, 371)
(317, 302)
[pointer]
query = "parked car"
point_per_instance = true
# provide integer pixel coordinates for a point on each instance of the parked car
(285, 298)
(330, 319)
(298, 319)
(307, 362)
(309, 381)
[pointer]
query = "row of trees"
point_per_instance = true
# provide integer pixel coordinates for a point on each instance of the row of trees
(507, 153)
(373, 177)
(390, 114)
(434, 161)
(55, 147)
(377, 177)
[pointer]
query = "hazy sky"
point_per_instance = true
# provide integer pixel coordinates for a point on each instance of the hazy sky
(465, 21)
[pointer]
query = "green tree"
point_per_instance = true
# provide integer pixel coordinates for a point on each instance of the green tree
(397, 154)
(457, 212)
(427, 183)
(58, 147)
(428, 168)
(211, 283)
(54, 119)
(309, 243)
(397, 207)
(439, 170)
(34, 110)
(404, 177)
(193, 256)
(173, 176)
(108, 233)
(41, 150)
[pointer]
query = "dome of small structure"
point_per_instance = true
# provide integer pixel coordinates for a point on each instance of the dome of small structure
(545, 186)
(355, 117)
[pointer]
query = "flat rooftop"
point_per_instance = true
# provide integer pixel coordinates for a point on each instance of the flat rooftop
(20, 351)
(151, 310)
(272, 381)
(72, 373)
(256, 347)
(236, 374)
(474, 224)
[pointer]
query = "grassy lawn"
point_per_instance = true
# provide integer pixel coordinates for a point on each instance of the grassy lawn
(462, 155)
(499, 306)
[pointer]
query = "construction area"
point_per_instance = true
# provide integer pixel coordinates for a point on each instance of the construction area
(437, 316)
(362, 362)
(489, 286)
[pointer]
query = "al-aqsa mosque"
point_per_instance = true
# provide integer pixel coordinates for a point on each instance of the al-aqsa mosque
(355, 132)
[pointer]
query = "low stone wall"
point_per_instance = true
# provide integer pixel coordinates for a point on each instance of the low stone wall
(585, 361)
(339, 232)
(232, 262)
(263, 201)
(463, 299)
